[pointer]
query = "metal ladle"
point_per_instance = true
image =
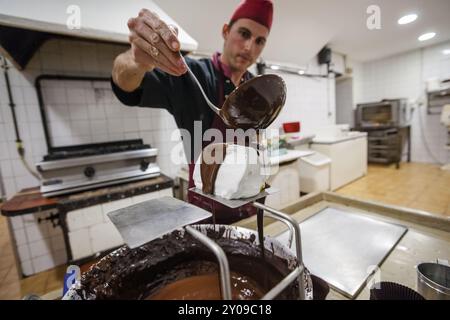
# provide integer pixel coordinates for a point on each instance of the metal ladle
(254, 104)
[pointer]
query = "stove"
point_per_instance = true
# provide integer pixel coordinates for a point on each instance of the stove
(84, 167)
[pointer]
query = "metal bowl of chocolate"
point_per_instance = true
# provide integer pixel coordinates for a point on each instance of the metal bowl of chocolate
(179, 267)
(256, 103)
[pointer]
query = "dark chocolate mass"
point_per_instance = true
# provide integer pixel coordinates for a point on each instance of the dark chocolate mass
(144, 272)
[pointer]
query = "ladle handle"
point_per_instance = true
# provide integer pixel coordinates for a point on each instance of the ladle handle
(210, 104)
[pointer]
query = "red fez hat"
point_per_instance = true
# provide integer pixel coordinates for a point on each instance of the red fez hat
(260, 11)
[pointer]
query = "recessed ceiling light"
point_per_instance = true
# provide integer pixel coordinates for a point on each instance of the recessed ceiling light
(446, 51)
(301, 72)
(427, 36)
(274, 67)
(407, 19)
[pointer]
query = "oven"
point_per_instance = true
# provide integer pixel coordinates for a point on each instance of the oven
(385, 114)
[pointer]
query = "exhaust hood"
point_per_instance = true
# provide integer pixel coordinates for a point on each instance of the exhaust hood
(26, 24)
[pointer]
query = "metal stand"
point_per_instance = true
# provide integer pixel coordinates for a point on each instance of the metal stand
(137, 226)
(294, 229)
(299, 271)
(225, 283)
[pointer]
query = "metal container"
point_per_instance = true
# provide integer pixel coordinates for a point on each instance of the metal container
(433, 281)
(231, 232)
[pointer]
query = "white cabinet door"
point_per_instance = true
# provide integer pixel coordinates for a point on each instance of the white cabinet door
(287, 181)
(348, 160)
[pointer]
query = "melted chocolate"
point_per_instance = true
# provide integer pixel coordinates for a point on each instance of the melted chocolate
(255, 104)
(207, 287)
(146, 271)
(210, 167)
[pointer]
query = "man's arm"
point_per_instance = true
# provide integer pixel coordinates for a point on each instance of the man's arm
(126, 73)
(153, 44)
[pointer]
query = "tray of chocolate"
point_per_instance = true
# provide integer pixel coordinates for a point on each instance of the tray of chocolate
(178, 266)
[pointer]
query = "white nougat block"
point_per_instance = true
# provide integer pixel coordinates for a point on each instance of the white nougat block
(239, 176)
(80, 243)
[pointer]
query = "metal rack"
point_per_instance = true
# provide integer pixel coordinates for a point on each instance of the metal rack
(437, 99)
(295, 275)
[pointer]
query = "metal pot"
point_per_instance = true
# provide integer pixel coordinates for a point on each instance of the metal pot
(229, 232)
(433, 281)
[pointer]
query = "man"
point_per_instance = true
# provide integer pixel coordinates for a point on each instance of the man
(153, 74)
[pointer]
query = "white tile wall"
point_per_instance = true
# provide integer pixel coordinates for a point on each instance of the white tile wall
(404, 76)
(24, 252)
(104, 236)
(80, 243)
(16, 222)
(27, 267)
(42, 263)
(78, 112)
(39, 245)
(309, 100)
(90, 229)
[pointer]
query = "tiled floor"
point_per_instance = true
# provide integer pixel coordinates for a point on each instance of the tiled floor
(419, 186)
(415, 185)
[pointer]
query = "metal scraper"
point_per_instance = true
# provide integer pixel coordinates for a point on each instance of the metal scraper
(149, 220)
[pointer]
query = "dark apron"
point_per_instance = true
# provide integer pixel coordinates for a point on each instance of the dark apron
(221, 213)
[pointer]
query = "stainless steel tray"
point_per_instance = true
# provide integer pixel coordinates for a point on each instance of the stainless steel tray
(343, 248)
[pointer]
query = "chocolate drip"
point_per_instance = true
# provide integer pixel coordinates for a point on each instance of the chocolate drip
(210, 167)
(260, 224)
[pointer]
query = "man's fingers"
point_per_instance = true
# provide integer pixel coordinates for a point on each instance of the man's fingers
(159, 26)
(154, 54)
(153, 38)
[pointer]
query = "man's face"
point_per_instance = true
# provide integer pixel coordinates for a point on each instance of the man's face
(244, 42)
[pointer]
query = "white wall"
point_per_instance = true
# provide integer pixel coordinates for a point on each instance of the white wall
(309, 100)
(344, 101)
(78, 113)
(85, 113)
(404, 76)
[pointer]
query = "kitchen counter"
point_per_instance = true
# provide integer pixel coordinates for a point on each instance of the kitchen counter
(351, 135)
(74, 228)
(348, 155)
(427, 238)
(291, 155)
(31, 200)
(284, 176)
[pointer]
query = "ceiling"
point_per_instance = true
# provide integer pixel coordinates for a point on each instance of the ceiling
(302, 27)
